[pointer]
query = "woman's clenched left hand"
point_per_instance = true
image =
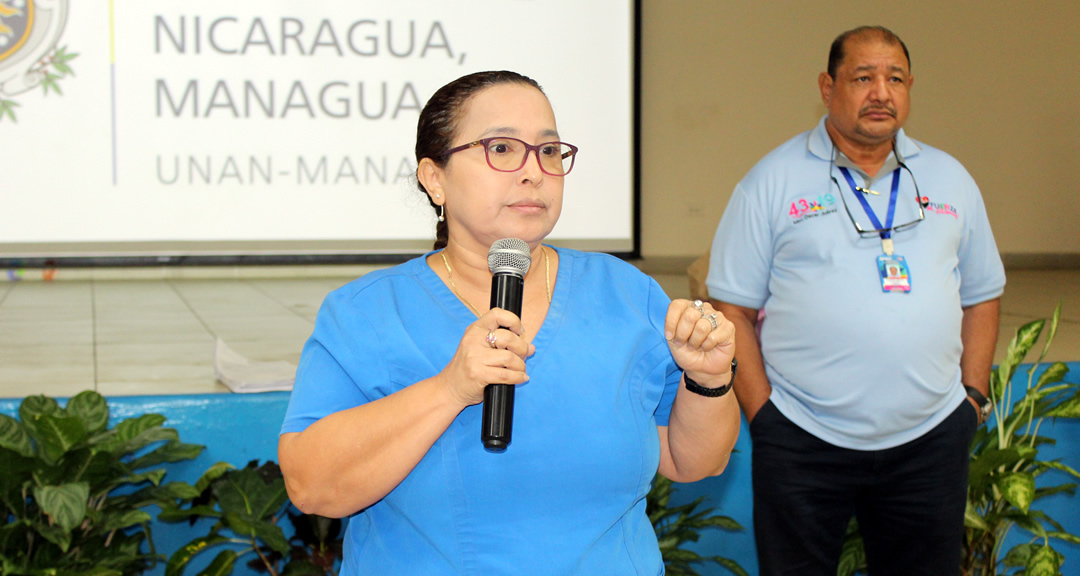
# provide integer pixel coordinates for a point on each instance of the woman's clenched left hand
(701, 340)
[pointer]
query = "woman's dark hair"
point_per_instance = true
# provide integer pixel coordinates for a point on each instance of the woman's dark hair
(438, 124)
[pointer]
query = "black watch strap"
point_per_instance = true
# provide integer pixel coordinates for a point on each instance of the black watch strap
(985, 405)
(696, 388)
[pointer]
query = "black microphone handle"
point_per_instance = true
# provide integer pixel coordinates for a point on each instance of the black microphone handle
(498, 418)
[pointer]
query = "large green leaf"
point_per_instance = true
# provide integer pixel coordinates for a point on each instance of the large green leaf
(240, 522)
(177, 514)
(56, 535)
(1062, 467)
(181, 491)
(1019, 555)
(972, 518)
(1018, 489)
(302, 568)
(123, 520)
(725, 522)
(1069, 489)
(91, 408)
(245, 492)
(152, 476)
(731, 565)
(11, 535)
(232, 492)
(66, 504)
(1071, 538)
(95, 468)
(165, 496)
(852, 556)
(128, 547)
(213, 473)
(684, 556)
(132, 427)
(32, 406)
(13, 437)
(169, 452)
(1054, 320)
(179, 560)
(1019, 346)
(134, 433)
(1025, 520)
(222, 564)
(984, 466)
(1023, 341)
(56, 434)
(272, 535)
(1034, 405)
(1044, 561)
(1070, 408)
(15, 469)
(1053, 374)
(123, 553)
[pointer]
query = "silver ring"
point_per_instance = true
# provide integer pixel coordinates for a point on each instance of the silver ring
(697, 305)
(712, 320)
(491, 339)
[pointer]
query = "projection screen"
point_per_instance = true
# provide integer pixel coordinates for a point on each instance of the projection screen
(187, 131)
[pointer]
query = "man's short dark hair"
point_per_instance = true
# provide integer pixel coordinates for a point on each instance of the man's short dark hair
(880, 33)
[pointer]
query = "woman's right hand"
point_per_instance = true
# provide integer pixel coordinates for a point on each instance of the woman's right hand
(492, 351)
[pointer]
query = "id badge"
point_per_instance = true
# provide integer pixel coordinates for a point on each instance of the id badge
(894, 272)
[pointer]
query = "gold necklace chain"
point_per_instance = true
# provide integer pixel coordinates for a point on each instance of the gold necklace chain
(450, 277)
(453, 286)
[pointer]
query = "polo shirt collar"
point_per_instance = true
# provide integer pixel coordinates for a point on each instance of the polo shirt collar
(819, 144)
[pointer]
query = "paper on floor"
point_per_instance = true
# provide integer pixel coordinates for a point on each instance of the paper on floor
(243, 375)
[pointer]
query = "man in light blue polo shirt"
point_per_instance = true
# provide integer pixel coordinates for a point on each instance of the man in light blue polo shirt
(860, 271)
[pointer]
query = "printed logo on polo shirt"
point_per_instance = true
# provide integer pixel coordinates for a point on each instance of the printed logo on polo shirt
(805, 208)
(938, 208)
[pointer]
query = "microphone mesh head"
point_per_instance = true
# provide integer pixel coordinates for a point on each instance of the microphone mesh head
(509, 256)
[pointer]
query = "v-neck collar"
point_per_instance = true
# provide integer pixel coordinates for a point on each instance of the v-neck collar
(457, 309)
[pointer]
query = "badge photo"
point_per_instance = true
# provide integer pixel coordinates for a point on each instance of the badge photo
(894, 274)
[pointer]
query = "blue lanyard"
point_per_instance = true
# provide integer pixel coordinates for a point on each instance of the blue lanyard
(886, 230)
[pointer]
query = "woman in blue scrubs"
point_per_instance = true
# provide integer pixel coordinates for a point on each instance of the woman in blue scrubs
(613, 381)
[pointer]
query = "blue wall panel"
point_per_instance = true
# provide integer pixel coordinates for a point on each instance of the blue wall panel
(240, 428)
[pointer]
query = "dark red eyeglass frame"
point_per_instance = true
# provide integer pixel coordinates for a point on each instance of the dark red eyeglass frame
(524, 158)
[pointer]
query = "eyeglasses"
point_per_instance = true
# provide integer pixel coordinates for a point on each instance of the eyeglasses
(510, 154)
(878, 231)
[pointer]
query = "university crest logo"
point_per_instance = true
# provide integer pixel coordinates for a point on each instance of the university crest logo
(29, 32)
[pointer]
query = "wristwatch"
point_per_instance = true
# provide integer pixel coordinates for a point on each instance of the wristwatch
(985, 405)
(696, 388)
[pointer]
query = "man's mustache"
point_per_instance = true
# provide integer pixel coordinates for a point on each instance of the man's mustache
(874, 109)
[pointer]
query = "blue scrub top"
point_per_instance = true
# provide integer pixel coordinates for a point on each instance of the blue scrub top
(568, 495)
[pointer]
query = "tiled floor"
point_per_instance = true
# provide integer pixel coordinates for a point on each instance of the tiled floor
(143, 337)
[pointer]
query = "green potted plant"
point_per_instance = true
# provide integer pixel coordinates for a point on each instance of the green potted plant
(246, 505)
(1004, 466)
(74, 493)
(1005, 463)
(677, 525)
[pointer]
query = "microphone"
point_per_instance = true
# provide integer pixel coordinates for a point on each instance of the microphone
(508, 260)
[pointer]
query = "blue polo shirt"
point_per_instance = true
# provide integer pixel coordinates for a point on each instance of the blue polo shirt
(568, 495)
(853, 365)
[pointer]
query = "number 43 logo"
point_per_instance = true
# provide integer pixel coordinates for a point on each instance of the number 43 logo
(803, 206)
